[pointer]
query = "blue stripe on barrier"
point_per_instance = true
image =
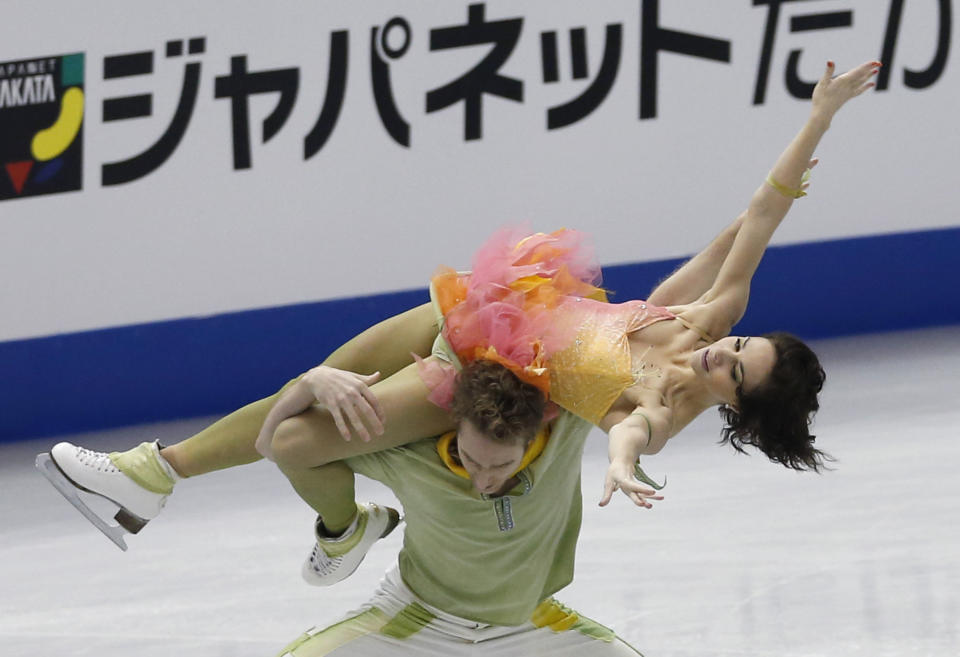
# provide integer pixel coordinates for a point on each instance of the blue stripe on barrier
(191, 367)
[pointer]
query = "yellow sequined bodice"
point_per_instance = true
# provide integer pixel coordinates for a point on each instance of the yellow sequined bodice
(587, 377)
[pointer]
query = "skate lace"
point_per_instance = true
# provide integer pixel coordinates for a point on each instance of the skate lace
(322, 563)
(97, 460)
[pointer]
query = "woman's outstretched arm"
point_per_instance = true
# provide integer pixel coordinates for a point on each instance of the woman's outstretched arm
(644, 431)
(724, 303)
(696, 275)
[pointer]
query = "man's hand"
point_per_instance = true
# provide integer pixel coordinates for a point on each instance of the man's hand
(348, 397)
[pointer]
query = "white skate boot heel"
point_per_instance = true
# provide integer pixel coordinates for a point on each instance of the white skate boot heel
(335, 559)
(71, 469)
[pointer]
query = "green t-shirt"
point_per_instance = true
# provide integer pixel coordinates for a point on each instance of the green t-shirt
(491, 560)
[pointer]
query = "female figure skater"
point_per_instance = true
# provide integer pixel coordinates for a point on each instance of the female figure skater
(662, 366)
(666, 361)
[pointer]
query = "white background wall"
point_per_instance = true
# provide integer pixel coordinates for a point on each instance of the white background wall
(366, 215)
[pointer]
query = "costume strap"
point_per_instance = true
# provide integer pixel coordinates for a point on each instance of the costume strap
(637, 470)
(789, 192)
(693, 327)
(645, 478)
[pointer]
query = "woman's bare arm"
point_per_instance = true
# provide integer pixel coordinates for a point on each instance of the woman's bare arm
(644, 431)
(724, 303)
(698, 274)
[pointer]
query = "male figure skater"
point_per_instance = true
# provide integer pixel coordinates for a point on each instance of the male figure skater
(492, 515)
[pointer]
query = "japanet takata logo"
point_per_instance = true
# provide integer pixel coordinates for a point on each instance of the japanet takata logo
(41, 125)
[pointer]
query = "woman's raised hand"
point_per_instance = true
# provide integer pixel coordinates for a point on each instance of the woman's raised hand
(832, 92)
(805, 182)
(348, 397)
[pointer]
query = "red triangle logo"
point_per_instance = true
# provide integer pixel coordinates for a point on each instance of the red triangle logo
(18, 172)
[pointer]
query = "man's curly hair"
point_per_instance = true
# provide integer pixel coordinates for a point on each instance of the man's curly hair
(776, 417)
(497, 403)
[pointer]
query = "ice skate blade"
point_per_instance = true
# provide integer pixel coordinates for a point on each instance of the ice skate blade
(48, 468)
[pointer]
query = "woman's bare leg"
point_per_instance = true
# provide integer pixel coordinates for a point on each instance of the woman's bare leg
(148, 475)
(224, 444)
(311, 438)
(385, 346)
(304, 445)
(310, 445)
(229, 442)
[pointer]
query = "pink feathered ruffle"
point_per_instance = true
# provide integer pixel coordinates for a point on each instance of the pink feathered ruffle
(513, 253)
(506, 309)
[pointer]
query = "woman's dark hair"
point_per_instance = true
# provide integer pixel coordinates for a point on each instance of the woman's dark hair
(776, 417)
(497, 403)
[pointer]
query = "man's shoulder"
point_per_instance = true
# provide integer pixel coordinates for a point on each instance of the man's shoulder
(567, 423)
(568, 432)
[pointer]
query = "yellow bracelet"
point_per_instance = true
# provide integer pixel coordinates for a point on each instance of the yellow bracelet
(787, 191)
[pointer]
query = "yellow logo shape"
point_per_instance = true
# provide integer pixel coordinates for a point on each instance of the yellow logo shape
(49, 143)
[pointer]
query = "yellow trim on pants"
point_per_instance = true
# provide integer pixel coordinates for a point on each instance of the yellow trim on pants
(315, 643)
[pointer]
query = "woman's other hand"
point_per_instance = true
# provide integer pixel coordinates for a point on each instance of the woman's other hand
(620, 477)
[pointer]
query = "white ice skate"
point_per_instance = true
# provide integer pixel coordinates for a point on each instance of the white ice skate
(335, 559)
(71, 469)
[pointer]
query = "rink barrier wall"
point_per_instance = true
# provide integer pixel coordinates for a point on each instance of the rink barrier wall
(193, 367)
